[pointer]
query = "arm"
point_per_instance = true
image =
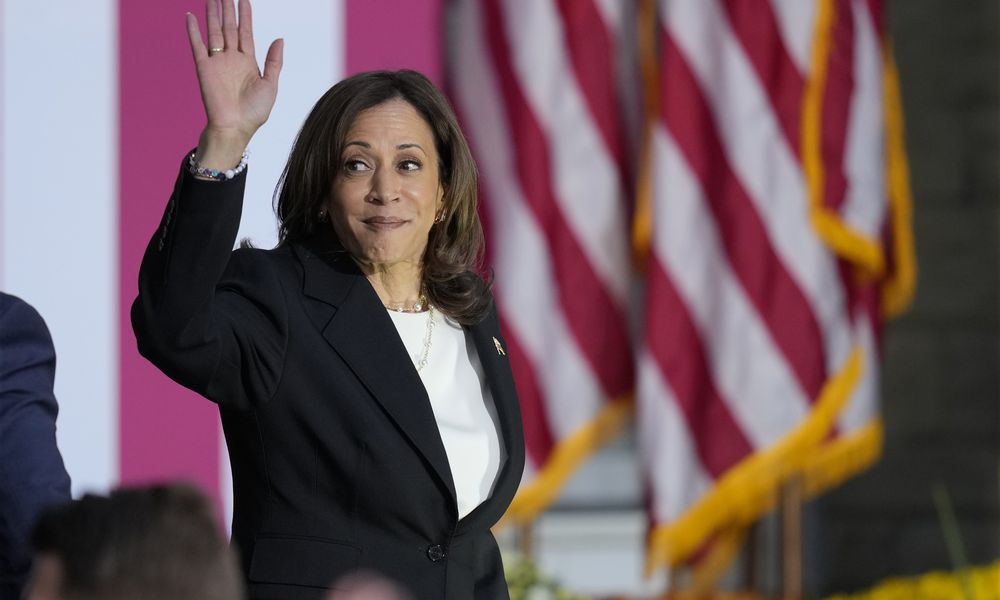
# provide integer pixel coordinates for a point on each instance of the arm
(32, 475)
(211, 319)
(199, 306)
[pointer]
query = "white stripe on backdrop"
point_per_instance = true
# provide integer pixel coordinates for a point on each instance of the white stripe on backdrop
(59, 209)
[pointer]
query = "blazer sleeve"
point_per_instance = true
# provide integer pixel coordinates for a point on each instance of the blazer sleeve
(32, 474)
(211, 319)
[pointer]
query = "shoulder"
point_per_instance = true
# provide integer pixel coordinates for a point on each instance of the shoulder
(18, 318)
(251, 264)
(24, 338)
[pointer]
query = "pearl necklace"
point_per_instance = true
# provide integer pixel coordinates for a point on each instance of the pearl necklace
(427, 339)
(416, 307)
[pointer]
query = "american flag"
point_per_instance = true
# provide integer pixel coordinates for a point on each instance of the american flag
(778, 227)
(771, 229)
(543, 102)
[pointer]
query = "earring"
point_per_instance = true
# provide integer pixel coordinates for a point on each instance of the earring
(322, 214)
(439, 218)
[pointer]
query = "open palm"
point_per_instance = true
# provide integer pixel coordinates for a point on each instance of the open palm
(237, 97)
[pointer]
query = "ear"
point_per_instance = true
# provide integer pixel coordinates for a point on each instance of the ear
(439, 201)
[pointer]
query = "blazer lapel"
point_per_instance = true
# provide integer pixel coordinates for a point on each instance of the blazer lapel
(361, 332)
(492, 352)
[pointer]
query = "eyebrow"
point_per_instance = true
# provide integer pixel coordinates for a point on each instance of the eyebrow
(399, 147)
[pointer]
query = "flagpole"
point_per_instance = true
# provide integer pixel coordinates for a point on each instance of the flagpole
(526, 539)
(750, 565)
(791, 521)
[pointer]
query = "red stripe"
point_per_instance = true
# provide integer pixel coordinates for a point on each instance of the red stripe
(538, 439)
(597, 324)
(877, 10)
(386, 34)
(673, 342)
(592, 52)
(166, 432)
(756, 27)
(767, 283)
(837, 105)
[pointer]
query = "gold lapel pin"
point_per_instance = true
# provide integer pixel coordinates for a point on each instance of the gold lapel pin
(500, 351)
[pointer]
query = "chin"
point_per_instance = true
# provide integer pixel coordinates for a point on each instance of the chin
(384, 257)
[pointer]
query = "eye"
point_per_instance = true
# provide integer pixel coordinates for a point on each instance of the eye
(409, 165)
(355, 164)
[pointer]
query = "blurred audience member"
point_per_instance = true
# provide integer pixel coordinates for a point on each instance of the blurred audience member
(32, 475)
(154, 543)
(366, 586)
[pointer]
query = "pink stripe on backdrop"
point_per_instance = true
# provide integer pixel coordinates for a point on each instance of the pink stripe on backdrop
(166, 431)
(388, 34)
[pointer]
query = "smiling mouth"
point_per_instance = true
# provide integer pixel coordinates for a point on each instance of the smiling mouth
(384, 222)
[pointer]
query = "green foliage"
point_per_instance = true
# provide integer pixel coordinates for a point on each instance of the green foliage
(526, 582)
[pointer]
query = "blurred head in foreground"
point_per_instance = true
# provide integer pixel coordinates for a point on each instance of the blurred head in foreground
(155, 543)
(366, 586)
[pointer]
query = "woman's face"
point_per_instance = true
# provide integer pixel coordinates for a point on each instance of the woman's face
(387, 192)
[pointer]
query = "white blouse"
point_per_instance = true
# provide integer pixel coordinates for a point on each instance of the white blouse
(462, 403)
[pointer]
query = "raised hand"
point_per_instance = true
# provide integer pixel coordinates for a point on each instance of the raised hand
(237, 97)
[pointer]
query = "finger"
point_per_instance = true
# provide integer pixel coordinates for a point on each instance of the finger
(194, 36)
(246, 28)
(213, 25)
(273, 60)
(229, 32)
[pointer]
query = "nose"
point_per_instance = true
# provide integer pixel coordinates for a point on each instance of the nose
(384, 186)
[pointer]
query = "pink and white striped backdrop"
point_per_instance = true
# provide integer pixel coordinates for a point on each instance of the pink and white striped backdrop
(99, 103)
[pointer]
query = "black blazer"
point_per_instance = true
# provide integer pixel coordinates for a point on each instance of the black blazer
(337, 461)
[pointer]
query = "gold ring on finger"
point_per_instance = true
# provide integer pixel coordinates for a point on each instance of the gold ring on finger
(215, 50)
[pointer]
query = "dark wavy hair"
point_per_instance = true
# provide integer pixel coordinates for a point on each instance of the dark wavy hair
(158, 542)
(452, 260)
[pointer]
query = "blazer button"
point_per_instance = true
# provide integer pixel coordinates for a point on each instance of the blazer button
(435, 552)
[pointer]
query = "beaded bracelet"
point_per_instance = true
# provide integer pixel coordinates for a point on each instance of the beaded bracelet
(215, 174)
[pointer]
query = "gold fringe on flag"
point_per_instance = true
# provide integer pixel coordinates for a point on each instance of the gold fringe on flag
(749, 489)
(566, 458)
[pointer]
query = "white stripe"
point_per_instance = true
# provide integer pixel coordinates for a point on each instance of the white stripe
(750, 372)
(762, 161)
(225, 486)
(586, 181)
(615, 15)
(314, 60)
(864, 205)
(524, 271)
(796, 22)
(673, 470)
(59, 236)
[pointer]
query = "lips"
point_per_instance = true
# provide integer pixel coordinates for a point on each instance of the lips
(383, 222)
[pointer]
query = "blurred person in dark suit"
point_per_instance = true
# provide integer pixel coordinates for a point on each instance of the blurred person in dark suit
(151, 543)
(32, 475)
